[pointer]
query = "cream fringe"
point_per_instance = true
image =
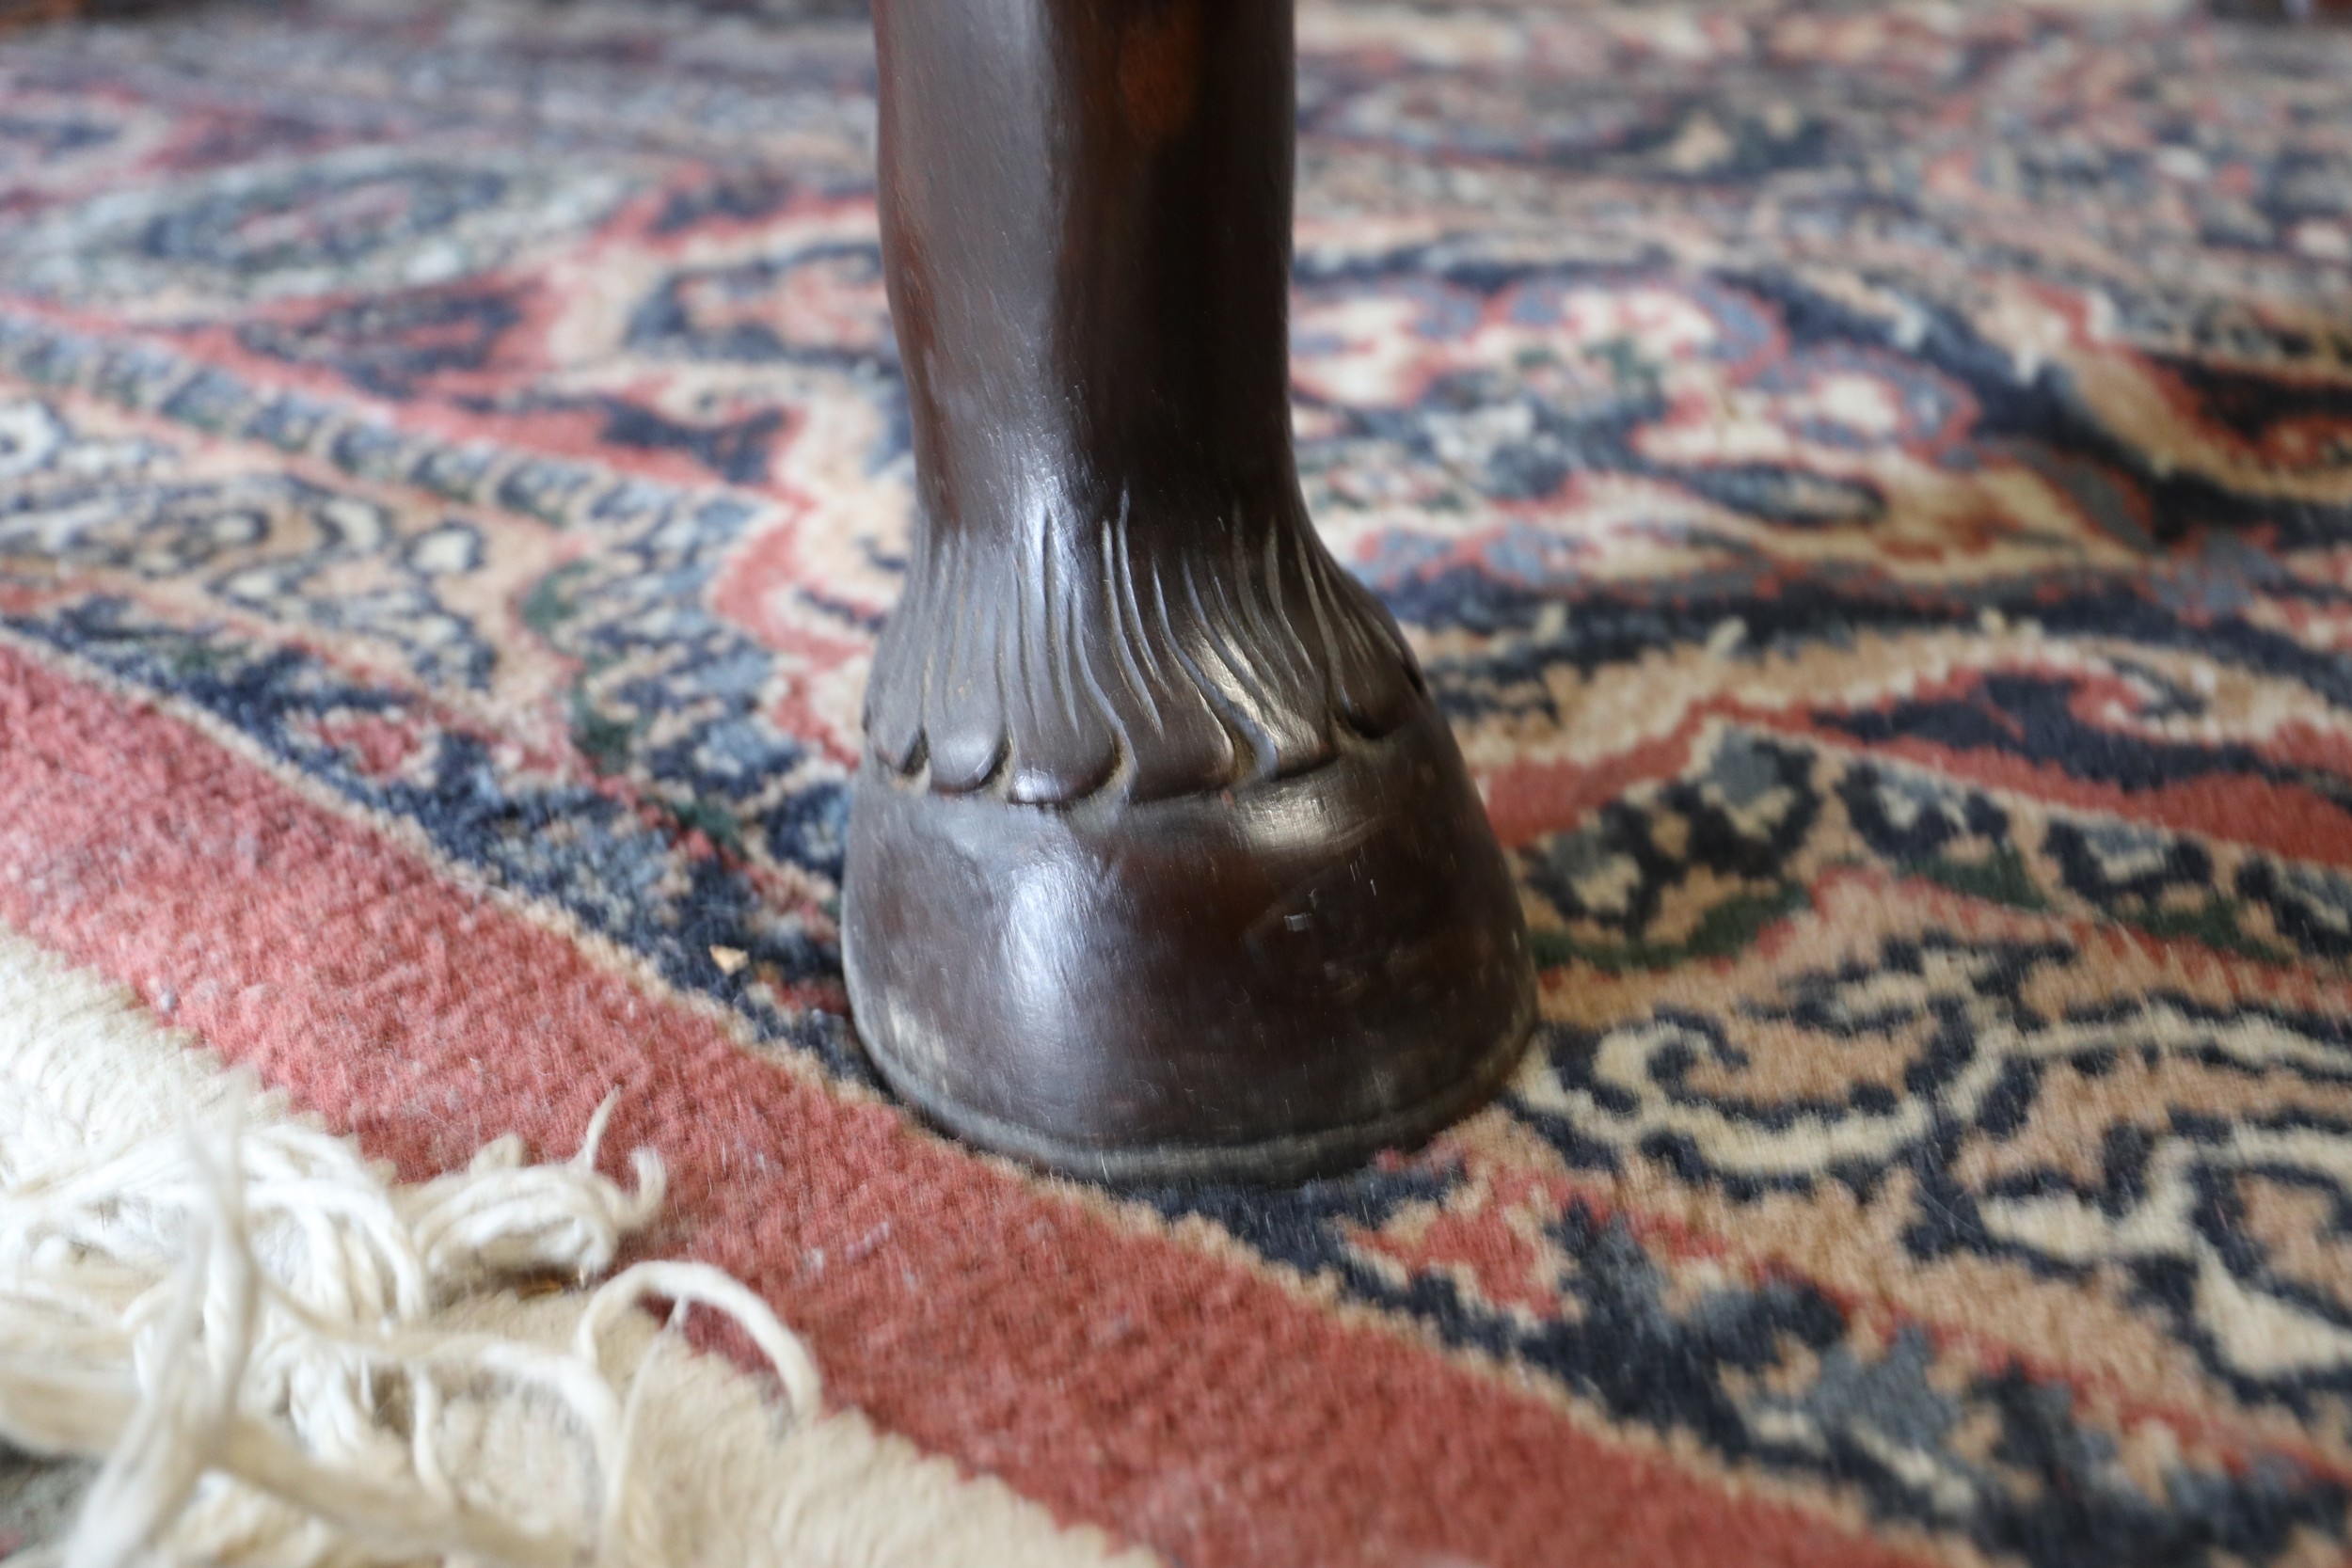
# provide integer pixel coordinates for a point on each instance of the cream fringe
(254, 1327)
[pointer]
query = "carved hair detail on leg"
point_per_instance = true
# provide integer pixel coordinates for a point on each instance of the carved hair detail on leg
(1178, 741)
(1072, 660)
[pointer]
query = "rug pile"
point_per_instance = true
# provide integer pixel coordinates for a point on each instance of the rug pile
(1872, 486)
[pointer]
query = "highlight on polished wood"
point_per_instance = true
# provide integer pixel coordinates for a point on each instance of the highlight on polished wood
(1162, 862)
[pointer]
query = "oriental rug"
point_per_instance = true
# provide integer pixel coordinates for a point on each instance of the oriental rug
(1872, 485)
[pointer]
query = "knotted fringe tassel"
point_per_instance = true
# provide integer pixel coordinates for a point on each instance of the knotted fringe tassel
(251, 1325)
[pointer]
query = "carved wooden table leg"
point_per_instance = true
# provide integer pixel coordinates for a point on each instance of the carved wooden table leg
(1162, 865)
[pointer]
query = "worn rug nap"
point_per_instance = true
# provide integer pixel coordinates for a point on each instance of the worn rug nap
(1872, 485)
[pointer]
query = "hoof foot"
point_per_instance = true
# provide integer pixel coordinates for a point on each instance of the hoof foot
(1262, 983)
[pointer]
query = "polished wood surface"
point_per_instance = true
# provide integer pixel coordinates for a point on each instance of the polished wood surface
(1162, 863)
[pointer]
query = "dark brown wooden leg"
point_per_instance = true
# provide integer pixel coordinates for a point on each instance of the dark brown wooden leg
(1163, 864)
